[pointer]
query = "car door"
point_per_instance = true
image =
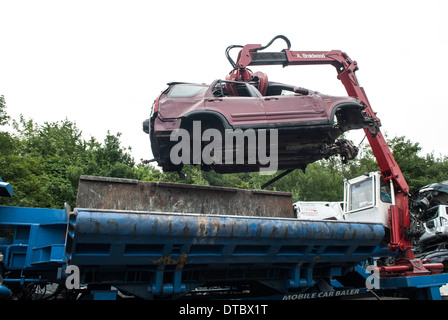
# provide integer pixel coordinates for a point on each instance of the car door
(295, 109)
(240, 111)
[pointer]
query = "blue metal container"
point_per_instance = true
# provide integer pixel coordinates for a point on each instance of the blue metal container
(5, 189)
(173, 251)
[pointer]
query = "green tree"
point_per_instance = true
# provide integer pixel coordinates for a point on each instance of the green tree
(43, 163)
(322, 181)
(4, 118)
(35, 162)
(418, 170)
(109, 159)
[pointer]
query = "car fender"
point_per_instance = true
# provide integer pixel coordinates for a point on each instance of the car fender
(201, 114)
(354, 119)
(345, 105)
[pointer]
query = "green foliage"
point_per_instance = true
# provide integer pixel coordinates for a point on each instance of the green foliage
(322, 181)
(43, 164)
(418, 171)
(4, 118)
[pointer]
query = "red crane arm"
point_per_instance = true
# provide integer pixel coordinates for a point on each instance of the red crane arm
(399, 213)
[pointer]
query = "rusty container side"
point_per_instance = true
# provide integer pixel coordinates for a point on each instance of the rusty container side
(134, 195)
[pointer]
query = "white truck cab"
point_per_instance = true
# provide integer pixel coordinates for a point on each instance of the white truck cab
(367, 199)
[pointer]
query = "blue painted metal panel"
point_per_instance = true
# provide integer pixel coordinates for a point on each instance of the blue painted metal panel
(5, 189)
(39, 237)
(287, 251)
(28, 216)
(115, 238)
(104, 294)
(4, 292)
(425, 287)
(434, 280)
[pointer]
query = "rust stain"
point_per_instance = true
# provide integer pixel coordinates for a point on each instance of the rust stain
(153, 228)
(170, 227)
(186, 229)
(97, 225)
(286, 232)
(201, 229)
(202, 226)
(170, 261)
(216, 226)
(182, 261)
(259, 230)
(274, 229)
(165, 261)
(343, 232)
(125, 194)
(116, 226)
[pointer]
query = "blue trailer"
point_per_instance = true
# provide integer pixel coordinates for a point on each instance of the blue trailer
(121, 248)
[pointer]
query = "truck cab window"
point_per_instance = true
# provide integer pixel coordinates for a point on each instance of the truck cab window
(361, 195)
(385, 192)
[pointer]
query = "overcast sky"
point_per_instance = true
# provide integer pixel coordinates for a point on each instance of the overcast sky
(101, 64)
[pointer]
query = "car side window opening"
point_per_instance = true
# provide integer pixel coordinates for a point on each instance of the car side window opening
(234, 89)
(278, 89)
(185, 90)
(227, 88)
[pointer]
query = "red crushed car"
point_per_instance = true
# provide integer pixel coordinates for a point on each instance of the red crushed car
(306, 123)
